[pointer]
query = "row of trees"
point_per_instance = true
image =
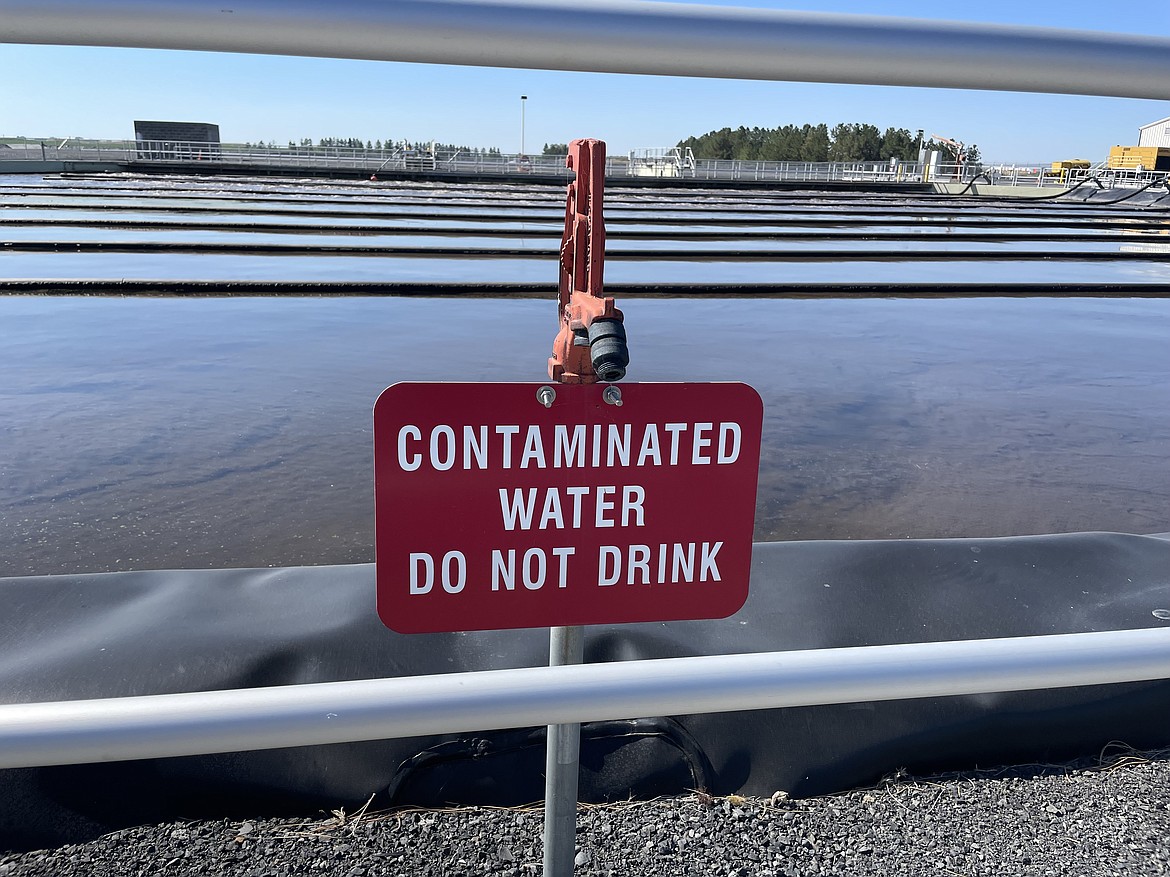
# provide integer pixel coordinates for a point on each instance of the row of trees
(847, 141)
(843, 142)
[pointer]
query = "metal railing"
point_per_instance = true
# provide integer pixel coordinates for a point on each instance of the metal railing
(490, 162)
(626, 36)
(293, 156)
(462, 161)
(158, 726)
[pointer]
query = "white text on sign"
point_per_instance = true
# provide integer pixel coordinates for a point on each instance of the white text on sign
(444, 447)
(676, 563)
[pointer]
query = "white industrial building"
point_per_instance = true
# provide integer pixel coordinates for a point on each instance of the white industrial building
(1155, 134)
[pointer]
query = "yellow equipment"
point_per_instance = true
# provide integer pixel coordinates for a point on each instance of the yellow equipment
(1147, 158)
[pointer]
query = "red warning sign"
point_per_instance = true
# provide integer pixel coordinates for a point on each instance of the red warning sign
(527, 505)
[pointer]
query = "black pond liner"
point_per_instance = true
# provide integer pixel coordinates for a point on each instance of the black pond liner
(134, 633)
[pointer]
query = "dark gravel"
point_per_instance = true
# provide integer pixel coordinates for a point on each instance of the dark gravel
(1111, 817)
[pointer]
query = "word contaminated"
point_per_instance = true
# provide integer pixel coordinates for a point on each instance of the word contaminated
(446, 447)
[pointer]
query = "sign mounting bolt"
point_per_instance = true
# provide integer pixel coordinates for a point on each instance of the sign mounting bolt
(612, 396)
(545, 396)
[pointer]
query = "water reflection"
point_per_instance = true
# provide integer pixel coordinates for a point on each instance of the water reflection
(210, 433)
(836, 268)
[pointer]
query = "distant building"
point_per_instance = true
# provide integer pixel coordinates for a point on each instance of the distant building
(1155, 134)
(177, 140)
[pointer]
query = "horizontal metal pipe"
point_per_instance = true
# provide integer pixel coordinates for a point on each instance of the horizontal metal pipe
(915, 234)
(621, 36)
(855, 289)
(157, 726)
(1155, 253)
(1073, 216)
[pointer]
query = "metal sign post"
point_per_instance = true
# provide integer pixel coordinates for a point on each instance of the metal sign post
(562, 766)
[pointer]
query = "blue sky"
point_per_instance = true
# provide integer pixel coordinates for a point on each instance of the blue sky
(60, 91)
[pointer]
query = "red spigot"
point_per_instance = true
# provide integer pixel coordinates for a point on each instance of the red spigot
(591, 343)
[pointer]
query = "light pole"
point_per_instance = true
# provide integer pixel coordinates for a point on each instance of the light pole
(523, 102)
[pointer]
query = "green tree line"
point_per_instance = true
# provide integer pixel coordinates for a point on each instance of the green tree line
(847, 141)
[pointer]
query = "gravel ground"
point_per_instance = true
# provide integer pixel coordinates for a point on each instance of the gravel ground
(1111, 817)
